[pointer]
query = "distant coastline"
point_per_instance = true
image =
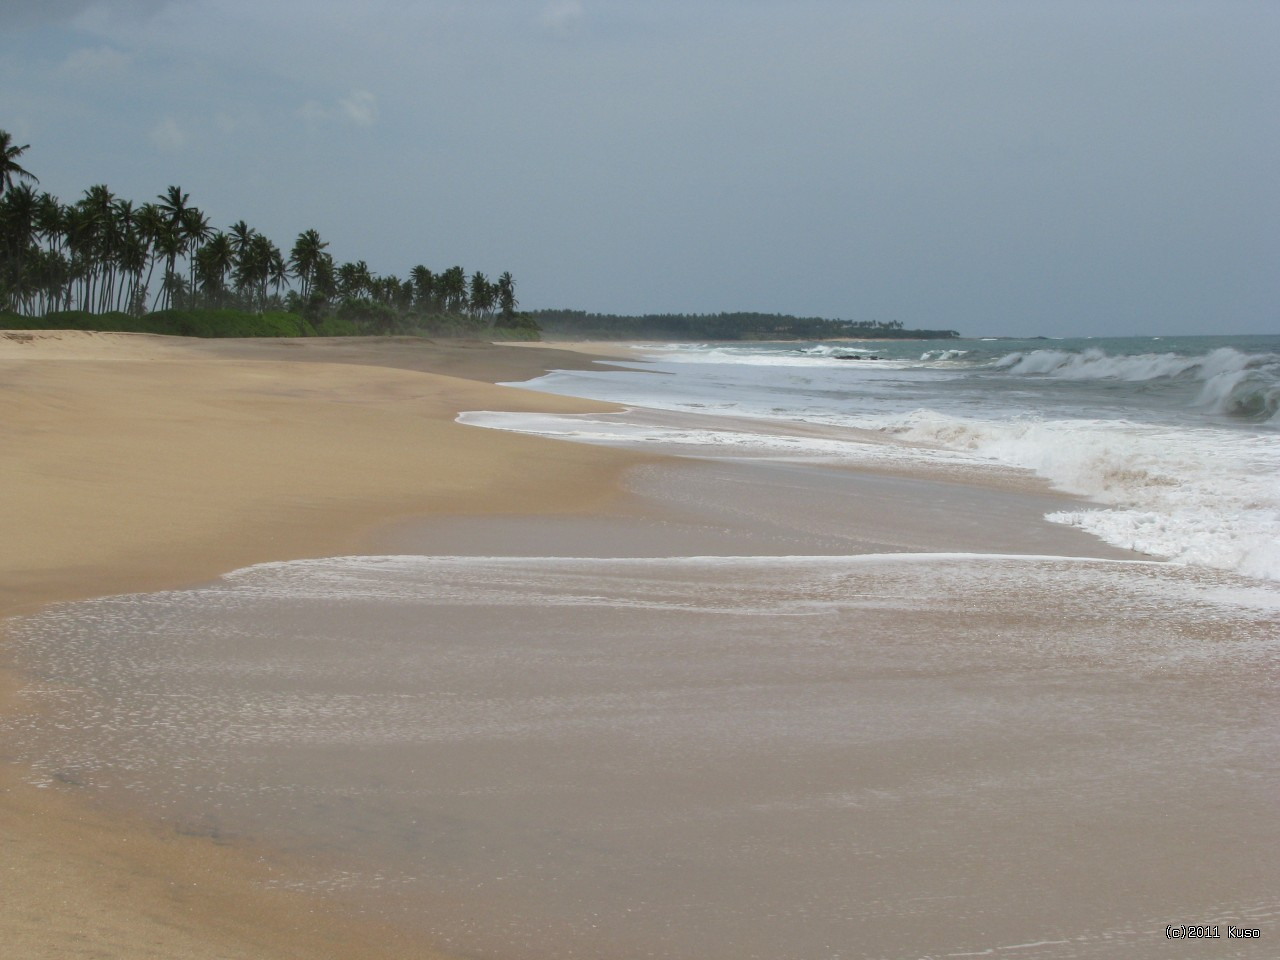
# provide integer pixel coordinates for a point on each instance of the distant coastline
(774, 327)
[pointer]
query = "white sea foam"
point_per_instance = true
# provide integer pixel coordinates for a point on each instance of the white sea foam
(772, 440)
(1169, 500)
(693, 440)
(936, 355)
(820, 355)
(1162, 496)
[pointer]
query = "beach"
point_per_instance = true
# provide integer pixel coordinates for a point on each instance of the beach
(600, 682)
(137, 463)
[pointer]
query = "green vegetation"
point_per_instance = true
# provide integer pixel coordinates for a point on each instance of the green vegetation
(177, 322)
(579, 325)
(103, 263)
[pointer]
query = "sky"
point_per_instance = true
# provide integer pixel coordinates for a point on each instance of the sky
(999, 167)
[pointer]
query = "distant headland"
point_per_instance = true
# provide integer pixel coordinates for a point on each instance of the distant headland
(580, 325)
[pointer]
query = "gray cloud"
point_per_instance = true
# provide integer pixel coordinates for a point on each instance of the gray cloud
(90, 63)
(25, 13)
(561, 16)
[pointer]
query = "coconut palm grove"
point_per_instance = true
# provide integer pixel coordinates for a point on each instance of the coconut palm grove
(106, 263)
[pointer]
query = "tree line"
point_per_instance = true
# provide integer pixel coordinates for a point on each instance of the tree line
(579, 324)
(106, 255)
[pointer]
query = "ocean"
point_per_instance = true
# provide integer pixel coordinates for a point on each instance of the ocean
(1175, 440)
(847, 678)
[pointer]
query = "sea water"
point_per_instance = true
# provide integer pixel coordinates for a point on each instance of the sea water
(1175, 440)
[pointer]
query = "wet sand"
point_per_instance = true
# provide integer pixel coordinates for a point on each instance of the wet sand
(634, 754)
(1044, 752)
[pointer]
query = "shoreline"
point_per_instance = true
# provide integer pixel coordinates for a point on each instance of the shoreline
(136, 463)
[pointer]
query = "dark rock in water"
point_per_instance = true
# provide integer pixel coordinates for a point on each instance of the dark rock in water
(854, 356)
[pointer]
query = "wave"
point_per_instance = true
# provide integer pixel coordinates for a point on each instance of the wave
(1097, 364)
(755, 355)
(1252, 393)
(1235, 384)
(1160, 494)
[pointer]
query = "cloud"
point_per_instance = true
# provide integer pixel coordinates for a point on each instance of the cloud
(94, 63)
(561, 16)
(167, 135)
(26, 13)
(313, 112)
(360, 107)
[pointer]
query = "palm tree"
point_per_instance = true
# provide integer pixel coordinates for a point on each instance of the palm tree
(48, 277)
(80, 238)
(241, 236)
(424, 293)
(173, 203)
(245, 270)
(507, 301)
(355, 280)
(174, 287)
(254, 260)
(18, 209)
(9, 168)
(172, 206)
(308, 250)
(99, 236)
(324, 283)
(213, 262)
(168, 244)
(483, 296)
(195, 232)
(277, 271)
(133, 255)
(150, 226)
(51, 220)
(451, 288)
(51, 226)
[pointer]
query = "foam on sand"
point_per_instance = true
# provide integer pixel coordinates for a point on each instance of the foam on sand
(702, 756)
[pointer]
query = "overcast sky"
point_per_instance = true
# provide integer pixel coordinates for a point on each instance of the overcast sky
(1022, 167)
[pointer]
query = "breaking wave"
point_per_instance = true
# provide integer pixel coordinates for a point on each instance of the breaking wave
(1158, 492)
(1234, 383)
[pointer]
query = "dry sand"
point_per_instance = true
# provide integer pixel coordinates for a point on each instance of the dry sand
(133, 462)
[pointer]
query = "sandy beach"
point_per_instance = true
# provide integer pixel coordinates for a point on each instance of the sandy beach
(668, 707)
(131, 462)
